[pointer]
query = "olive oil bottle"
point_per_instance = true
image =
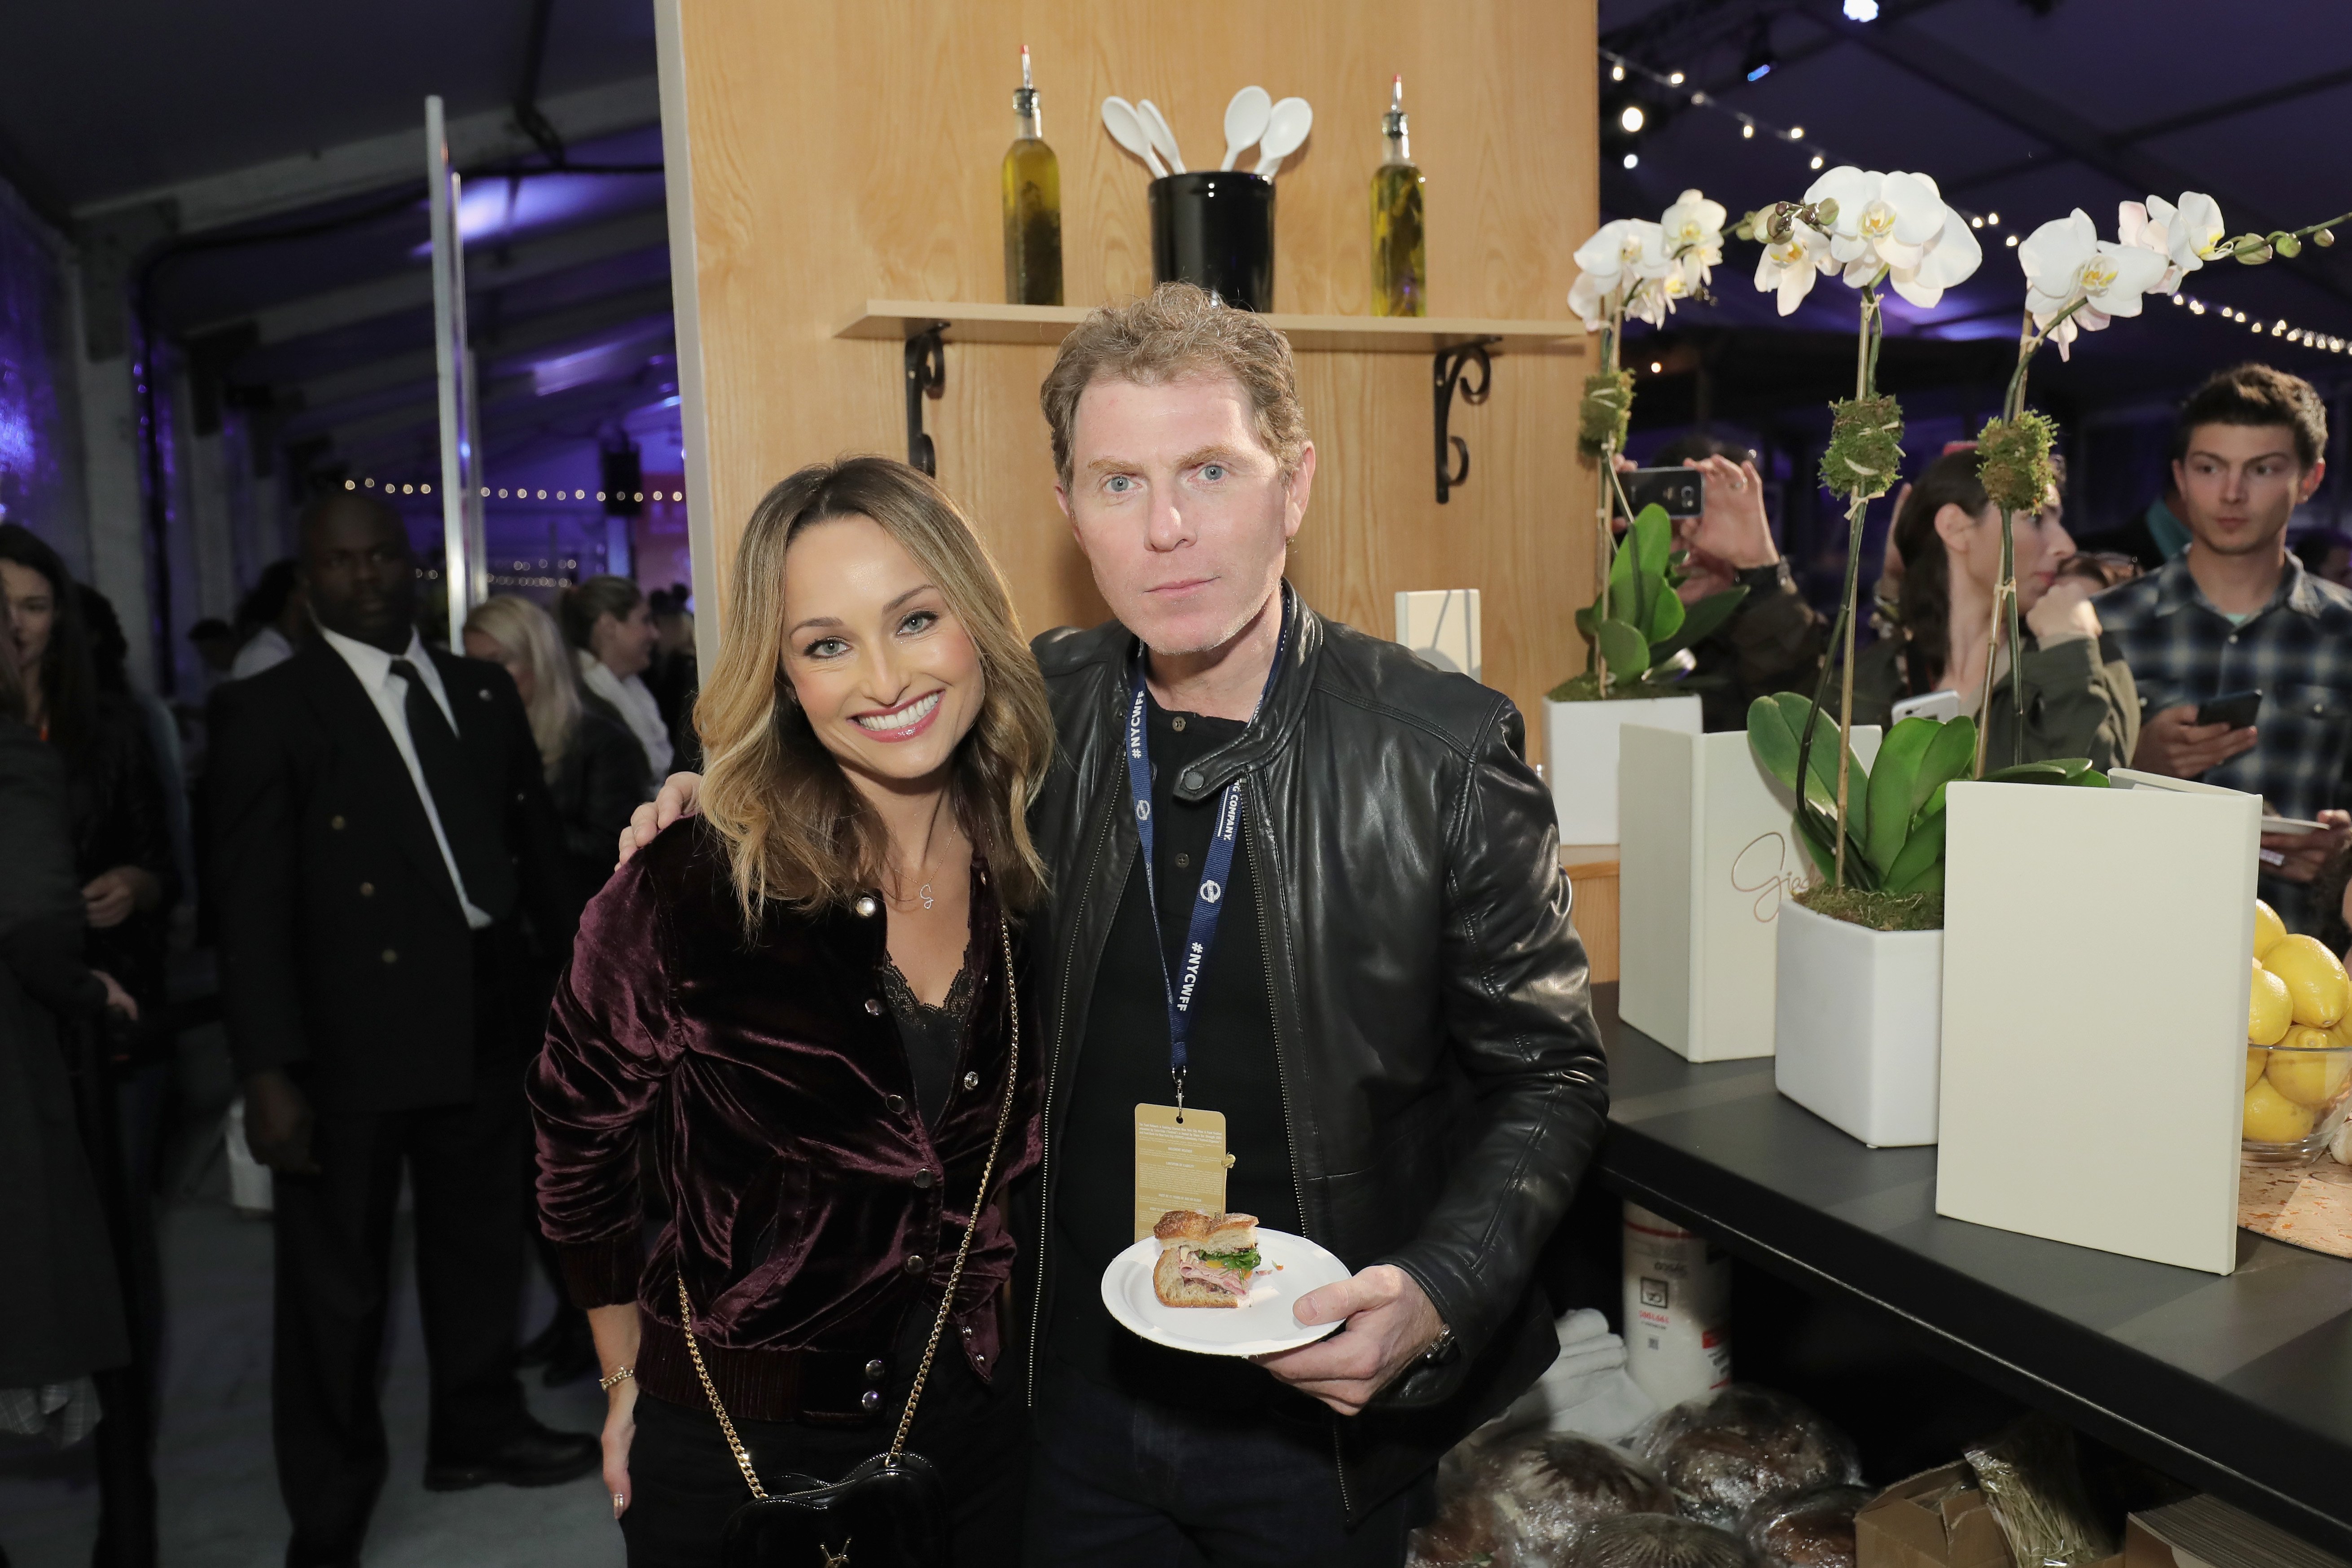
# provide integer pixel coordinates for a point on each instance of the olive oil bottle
(1033, 206)
(1399, 252)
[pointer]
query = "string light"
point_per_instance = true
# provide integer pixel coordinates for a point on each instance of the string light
(397, 487)
(2286, 332)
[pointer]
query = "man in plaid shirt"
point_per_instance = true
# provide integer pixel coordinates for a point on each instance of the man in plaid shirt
(2236, 612)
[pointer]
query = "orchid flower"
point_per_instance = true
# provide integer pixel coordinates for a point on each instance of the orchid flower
(1791, 266)
(2069, 268)
(1893, 217)
(1693, 230)
(1611, 267)
(1946, 261)
(2182, 234)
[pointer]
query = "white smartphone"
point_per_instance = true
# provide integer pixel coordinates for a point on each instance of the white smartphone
(1941, 706)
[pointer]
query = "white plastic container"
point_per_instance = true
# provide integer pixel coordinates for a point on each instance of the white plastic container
(250, 1192)
(1581, 757)
(1858, 1025)
(1677, 1310)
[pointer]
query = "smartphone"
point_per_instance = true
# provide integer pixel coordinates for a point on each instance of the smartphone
(1682, 491)
(2237, 708)
(1941, 706)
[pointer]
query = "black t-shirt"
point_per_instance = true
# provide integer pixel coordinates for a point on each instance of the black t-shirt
(1122, 1062)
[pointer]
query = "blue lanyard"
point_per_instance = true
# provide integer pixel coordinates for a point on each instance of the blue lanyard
(1208, 904)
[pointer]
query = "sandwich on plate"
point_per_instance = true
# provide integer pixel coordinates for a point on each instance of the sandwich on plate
(1205, 1259)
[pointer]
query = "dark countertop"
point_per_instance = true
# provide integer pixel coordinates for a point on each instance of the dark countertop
(2242, 1385)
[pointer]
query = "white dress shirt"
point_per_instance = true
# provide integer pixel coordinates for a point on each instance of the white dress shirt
(264, 648)
(390, 695)
(635, 702)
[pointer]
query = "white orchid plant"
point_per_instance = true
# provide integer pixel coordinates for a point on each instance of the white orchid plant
(1872, 229)
(2076, 283)
(1636, 271)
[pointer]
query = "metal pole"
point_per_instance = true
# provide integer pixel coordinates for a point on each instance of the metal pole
(464, 567)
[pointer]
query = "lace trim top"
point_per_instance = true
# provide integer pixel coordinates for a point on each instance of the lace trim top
(933, 1035)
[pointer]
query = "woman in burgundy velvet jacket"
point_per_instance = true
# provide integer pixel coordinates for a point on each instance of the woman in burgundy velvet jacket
(797, 1004)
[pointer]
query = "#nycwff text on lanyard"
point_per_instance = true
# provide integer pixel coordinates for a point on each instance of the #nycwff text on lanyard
(1208, 901)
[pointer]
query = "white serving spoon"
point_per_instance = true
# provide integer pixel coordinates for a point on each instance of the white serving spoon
(1126, 128)
(1285, 129)
(1246, 119)
(1163, 140)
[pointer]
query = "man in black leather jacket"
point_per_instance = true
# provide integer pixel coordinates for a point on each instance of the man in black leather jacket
(1439, 1080)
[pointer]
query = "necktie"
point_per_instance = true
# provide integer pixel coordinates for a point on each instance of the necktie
(459, 800)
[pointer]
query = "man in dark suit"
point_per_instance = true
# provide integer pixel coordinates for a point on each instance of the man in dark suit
(380, 826)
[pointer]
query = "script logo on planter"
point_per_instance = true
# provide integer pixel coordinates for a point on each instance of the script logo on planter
(1762, 868)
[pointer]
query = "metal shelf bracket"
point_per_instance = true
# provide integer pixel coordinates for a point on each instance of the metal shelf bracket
(926, 374)
(1452, 453)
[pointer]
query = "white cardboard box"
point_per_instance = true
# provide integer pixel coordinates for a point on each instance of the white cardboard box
(1441, 625)
(1581, 757)
(1705, 857)
(2095, 979)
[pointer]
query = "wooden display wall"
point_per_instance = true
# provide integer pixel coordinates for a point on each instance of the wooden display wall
(824, 155)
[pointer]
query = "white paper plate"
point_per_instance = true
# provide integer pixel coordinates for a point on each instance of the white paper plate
(1259, 1326)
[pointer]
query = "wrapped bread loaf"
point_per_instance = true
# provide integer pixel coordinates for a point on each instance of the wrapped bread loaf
(1725, 1453)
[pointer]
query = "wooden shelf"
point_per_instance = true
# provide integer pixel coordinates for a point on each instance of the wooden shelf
(896, 319)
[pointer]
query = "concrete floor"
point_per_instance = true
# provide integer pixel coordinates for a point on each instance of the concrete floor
(218, 1486)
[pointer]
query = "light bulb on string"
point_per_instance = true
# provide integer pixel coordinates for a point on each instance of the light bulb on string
(1817, 161)
(1746, 131)
(1632, 159)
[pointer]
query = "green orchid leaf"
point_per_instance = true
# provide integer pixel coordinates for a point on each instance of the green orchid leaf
(1667, 616)
(1701, 621)
(1922, 855)
(1951, 754)
(2029, 772)
(1775, 727)
(1584, 622)
(1625, 650)
(1892, 775)
(1653, 537)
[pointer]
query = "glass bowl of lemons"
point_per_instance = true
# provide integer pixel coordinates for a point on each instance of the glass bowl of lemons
(2298, 1046)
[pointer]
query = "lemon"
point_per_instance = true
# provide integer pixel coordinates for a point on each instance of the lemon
(2315, 978)
(2306, 1071)
(2272, 1118)
(2256, 1062)
(2269, 930)
(2269, 1012)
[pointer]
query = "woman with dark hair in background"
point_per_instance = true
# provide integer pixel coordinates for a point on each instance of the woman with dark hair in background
(62, 1326)
(121, 833)
(611, 628)
(2080, 699)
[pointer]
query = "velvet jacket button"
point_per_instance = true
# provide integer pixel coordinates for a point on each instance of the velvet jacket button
(896, 1102)
(971, 1080)
(873, 1005)
(917, 1263)
(869, 1400)
(874, 1370)
(923, 1179)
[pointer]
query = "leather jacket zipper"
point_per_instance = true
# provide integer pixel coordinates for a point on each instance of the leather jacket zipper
(1045, 1106)
(1265, 895)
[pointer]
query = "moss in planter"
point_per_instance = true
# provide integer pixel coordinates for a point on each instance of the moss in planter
(1586, 687)
(1878, 912)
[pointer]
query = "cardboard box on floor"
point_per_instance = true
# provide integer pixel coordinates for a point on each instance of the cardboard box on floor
(1927, 1522)
(1914, 1524)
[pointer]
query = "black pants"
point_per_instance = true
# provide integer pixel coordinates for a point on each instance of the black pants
(683, 1483)
(1117, 1480)
(333, 1289)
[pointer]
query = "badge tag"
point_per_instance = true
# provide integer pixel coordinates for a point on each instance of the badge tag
(1179, 1163)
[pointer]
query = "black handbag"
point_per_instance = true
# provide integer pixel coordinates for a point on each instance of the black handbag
(891, 1512)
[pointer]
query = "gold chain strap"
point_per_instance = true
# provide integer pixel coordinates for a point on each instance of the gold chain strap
(955, 1276)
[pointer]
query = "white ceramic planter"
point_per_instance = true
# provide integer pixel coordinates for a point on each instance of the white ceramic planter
(2096, 974)
(1705, 857)
(1581, 757)
(1857, 1021)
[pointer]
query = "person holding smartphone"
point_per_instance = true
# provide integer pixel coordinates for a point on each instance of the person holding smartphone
(1774, 640)
(2080, 698)
(2236, 613)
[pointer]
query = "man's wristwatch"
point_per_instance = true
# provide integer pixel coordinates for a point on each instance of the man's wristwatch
(1442, 1350)
(1773, 576)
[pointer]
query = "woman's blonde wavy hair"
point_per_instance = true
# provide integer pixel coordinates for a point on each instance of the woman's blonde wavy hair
(529, 634)
(796, 831)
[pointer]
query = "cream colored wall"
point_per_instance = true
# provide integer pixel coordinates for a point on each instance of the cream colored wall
(823, 154)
